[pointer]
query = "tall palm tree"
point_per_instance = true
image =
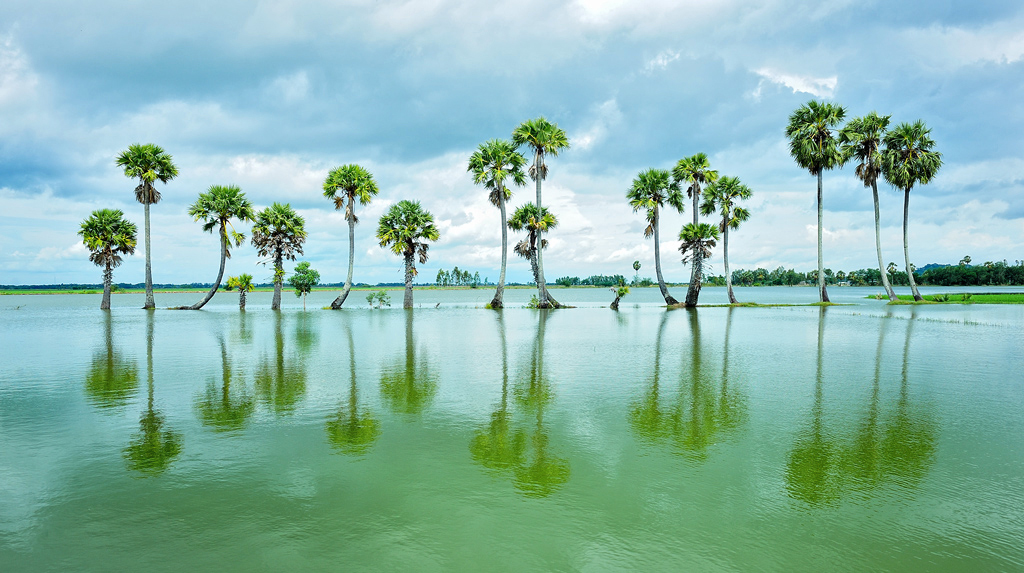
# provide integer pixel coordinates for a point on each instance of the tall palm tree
(215, 209)
(108, 235)
(815, 148)
(722, 196)
(279, 233)
(492, 164)
(148, 163)
(243, 283)
(404, 228)
(543, 138)
(697, 242)
(909, 159)
(650, 191)
(861, 138)
(345, 185)
(694, 172)
(528, 218)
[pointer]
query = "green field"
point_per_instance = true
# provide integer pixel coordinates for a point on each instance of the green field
(965, 298)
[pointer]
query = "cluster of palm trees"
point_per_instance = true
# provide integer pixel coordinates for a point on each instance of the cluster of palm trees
(903, 155)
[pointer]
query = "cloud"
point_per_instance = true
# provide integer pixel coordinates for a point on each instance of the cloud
(818, 87)
(661, 61)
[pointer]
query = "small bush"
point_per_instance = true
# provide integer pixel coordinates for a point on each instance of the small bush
(379, 299)
(534, 302)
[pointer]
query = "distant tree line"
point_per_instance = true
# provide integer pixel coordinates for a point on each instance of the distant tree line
(457, 277)
(593, 280)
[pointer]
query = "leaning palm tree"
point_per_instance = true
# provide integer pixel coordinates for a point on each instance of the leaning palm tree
(108, 235)
(279, 234)
(813, 146)
(243, 283)
(534, 223)
(693, 172)
(345, 185)
(215, 209)
(650, 191)
(404, 228)
(722, 196)
(862, 139)
(908, 159)
(492, 164)
(148, 163)
(697, 242)
(544, 138)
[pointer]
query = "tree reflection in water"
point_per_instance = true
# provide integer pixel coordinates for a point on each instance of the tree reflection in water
(510, 445)
(408, 386)
(111, 379)
(221, 408)
(896, 449)
(153, 448)
(352, 431)
(702, 413)
(280, 384)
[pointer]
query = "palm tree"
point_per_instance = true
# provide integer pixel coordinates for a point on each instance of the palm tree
(544, 138)
(908, 159)
(721, 196)
(345, 185)
(244, 285)
(492, 164)
(404, 228)
(862, 139)
(215, 209)
(697, 242)
(650, 191)
(528, 218)
(814, 148)
(278, 233)
(148, 163)
(108, 235)
(693, 172)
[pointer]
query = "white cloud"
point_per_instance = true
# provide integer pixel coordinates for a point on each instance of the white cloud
(818, 87)
(605, 116)
(289, 89)
(661, 61)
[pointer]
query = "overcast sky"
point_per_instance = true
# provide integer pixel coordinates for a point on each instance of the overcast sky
(271, 95)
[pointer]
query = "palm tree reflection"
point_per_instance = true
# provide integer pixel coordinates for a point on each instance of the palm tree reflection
(499, 446)
(111, 379)
(281, 384)
(408, 386)
(352, 431)
(222, 409)
(152, 448)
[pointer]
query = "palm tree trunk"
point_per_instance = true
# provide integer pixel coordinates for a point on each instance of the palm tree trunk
(351, 256)
(108, 277)
(275, 303)
(906, 247)
(725, 256)
(821, 265)
(542, 290)
(693, 292)
(149, 266)
(669, 300)
(499, 293)
(220, 273)
(409, 266)
(878, 246)
(693, 287)
(241, 299)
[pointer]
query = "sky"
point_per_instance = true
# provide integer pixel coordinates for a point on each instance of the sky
(270, 96)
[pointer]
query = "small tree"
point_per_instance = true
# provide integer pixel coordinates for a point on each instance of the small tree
(244, 285)
(620, 291)
(304, 279)
(379, 299)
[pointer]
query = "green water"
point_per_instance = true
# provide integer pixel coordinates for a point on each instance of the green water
(852, 438)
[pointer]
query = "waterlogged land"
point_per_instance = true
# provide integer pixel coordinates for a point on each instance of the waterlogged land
(453, 438)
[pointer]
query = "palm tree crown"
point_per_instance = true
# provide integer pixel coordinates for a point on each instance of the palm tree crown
(543, 138)
(811, 141)
(908, 157)
(650, 190)
(721, 196)
(404, 228)
(527, 218)
(148, 163)
(217, 206)
(694, 172)
(347, 184)
(697, 241)
(495, 162)
(108, 235)
(279, 230)
(861, 139)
